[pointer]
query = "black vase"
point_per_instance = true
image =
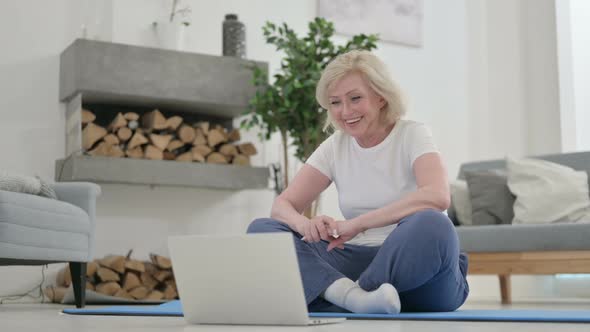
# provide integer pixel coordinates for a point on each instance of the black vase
(234, 37)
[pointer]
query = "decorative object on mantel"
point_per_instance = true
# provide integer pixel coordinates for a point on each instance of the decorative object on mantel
(122, 277)
(288, 105)
(156, 137)
(171, 33)
(234, 37)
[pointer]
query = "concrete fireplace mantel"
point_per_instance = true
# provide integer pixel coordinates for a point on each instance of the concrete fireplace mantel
(141, 76)
(95, 72)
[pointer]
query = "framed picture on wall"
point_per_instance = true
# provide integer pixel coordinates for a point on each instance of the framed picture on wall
(397, 21)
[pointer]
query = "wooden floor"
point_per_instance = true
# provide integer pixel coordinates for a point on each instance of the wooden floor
(47, 317)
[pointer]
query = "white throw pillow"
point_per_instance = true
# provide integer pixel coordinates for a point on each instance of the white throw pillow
(547, 192)
(461, 202)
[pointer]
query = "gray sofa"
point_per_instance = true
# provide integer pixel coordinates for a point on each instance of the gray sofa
(527, 249)
(36, 230)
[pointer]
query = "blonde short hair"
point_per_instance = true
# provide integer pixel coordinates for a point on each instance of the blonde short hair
(373, 71)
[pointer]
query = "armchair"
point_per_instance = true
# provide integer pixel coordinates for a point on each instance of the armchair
(36, 230)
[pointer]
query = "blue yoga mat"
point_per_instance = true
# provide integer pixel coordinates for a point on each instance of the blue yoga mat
(174, 309)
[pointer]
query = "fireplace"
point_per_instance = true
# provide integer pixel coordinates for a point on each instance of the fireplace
(141, 115)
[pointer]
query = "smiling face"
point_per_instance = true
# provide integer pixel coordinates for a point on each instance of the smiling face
(355, 107)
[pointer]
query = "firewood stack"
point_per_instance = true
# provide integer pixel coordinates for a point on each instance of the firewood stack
(152, 136)
(121, 276)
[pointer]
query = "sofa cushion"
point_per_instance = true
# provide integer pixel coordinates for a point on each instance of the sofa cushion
(460, 210)
(42, 227)
(525, 237)
(547, 192)
(491, 200)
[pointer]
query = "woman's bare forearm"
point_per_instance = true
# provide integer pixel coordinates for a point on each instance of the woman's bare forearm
(392, 213)
(284, 211)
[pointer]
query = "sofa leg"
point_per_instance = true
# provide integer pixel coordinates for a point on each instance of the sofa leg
(505, 288)
(78, 271)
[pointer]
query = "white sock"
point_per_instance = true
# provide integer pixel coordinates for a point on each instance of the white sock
(347, 294)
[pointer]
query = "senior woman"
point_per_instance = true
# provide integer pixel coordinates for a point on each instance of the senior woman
(395, 250)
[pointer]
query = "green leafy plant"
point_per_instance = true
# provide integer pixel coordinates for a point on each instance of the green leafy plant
(288, 104)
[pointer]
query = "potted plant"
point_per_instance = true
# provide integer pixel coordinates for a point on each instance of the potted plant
(288, 104)
(170, 33)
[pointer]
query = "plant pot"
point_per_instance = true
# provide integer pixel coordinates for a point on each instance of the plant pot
(170, 35)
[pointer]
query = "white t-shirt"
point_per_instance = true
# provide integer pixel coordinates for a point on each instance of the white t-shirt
(370, 178)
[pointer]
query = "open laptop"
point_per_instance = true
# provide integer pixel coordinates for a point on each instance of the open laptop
(240, 279)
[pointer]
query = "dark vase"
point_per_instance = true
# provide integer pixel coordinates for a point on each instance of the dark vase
(234, 37)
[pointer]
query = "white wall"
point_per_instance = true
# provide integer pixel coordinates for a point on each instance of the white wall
(566, 80)
(513, 99)
(496, 107)
(573, 40)
(32, 34)
(540, 69)
(470, 82)
(580, 34)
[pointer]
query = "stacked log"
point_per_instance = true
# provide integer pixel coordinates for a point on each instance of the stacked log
(153, 136)
(124, 277)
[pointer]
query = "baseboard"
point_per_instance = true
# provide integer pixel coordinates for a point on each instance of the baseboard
(529, 299)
